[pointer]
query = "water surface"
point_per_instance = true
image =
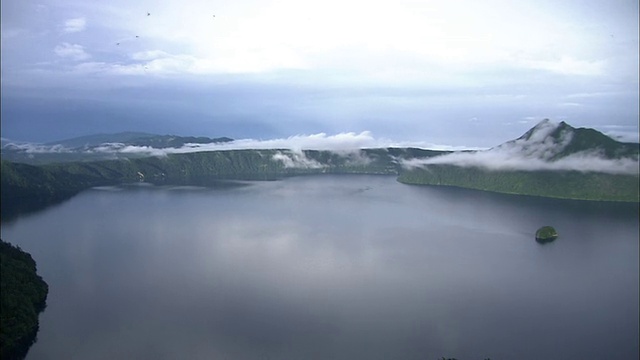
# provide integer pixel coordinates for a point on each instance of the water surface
(332, 267)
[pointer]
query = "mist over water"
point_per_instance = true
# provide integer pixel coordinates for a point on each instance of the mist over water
(332, 267)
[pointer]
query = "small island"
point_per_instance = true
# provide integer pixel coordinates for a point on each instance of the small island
(546, 234)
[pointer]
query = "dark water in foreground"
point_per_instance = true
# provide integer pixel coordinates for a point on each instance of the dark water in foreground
(332, 267)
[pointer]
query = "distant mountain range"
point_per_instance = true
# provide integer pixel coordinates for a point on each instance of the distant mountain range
(99, 139)
(551, 160)
(98, 147)
(135, 139)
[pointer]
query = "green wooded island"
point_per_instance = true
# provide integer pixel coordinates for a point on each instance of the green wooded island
(554, 160)
(546, 234)
(23, 296)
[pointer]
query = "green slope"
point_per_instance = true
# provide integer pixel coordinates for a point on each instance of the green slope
(555, 184)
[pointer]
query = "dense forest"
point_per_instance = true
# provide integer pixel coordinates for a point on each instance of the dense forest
(31, 180)
(23, 296)
(556, 184)
(25, 187)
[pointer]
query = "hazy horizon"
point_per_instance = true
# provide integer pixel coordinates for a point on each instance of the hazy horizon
(365, 138)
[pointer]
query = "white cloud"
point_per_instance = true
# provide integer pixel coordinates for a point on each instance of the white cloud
(377, 39)
(75, 25)
(30, 148)
(149, 55)
(296, 159)
(71, 51)
(567, 65)
(570, 104)
(346, 144)
(624, 133)
(531, 154)
(587, 95)
(625, 136)
(503, 160)
(147, 150)
(339, 142)
(321, 141)
(464, 50)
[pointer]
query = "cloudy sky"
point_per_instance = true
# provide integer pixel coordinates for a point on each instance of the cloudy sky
(460, 73)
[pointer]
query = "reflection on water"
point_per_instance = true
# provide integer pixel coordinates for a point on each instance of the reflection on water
(338, 267)
(12, 209)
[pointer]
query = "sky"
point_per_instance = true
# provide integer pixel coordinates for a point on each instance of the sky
(458, 73)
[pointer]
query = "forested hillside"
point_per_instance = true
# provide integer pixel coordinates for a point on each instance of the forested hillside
(29, 186)
(557, 184)
(552, 160)
(23, 296)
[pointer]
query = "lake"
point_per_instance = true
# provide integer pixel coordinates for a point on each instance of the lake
(332, 267)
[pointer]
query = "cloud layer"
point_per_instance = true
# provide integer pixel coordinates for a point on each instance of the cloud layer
(463, 72)
(505, 160)
(341, 142)
(71, 51)
(75, 25)
(533, 153)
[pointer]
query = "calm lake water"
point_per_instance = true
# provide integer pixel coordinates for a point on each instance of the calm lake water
(332, 267)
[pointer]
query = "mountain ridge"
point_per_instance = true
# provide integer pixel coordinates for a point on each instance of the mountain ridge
(135, 139)
(550, 160)
(98, 147)
(97, 139)
(568, 140)
(546, 140)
